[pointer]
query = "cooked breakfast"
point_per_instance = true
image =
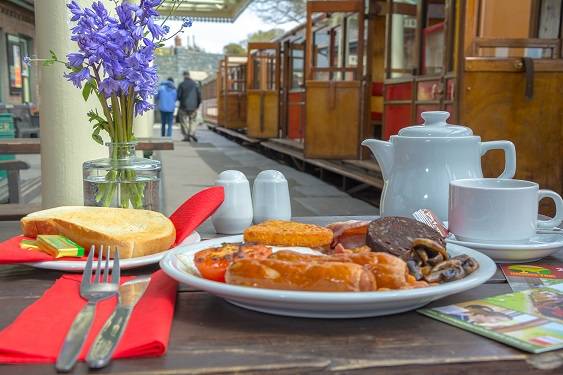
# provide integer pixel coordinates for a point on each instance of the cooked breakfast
(134, 232)
(386, 254)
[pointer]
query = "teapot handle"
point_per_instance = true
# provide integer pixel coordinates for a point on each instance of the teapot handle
(509, 156)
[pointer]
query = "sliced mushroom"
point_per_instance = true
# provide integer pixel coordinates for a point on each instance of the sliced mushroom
(429, 251)
(446, 271)
(414, 269)
(469, 264)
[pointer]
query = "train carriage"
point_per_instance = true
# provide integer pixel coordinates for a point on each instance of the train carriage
(361, 69)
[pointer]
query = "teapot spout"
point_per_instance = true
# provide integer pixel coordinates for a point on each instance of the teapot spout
(383, 152)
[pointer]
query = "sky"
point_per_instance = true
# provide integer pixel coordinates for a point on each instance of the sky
(213, 36)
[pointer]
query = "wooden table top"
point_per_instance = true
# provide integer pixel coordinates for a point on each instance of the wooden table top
(210, 335)
(33, 145)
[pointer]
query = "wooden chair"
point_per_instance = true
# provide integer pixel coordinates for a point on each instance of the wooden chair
(14, 210)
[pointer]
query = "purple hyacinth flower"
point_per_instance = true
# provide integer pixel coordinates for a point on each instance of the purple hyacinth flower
(75, 10)
(78, 77)
(75, 59)
(156, 31)
(187, 22)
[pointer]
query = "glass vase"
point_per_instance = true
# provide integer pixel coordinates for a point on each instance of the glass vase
(122, 179)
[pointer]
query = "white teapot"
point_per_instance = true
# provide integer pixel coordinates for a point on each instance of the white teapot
(418, 164)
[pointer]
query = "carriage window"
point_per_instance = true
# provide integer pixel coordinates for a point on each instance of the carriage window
(403, 36)
(322, 39)
(524, 28)
(297, 65)
(263, 70)
(434, 38)
(236, 78)
(351, 53)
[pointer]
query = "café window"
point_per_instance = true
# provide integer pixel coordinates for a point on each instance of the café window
(18, 72)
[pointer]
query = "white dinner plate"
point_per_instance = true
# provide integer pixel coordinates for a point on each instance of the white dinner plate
(178, 264)
(124, 264)
(536, 248)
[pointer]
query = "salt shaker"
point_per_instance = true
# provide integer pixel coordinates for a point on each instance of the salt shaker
(235, 214)
(271, 197)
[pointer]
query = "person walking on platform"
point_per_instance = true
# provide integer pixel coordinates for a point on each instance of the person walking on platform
(189, 97)
(166, 104)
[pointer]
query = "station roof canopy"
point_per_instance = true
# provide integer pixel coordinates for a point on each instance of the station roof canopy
(205, 10)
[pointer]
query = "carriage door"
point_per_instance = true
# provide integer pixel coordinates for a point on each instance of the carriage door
(263, 90)
(435, 81)
(235, 92)
(419, 73)
(334, 70)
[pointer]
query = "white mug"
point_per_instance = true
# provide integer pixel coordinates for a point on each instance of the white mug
(235, 214)
(498, 210)
(271, 197)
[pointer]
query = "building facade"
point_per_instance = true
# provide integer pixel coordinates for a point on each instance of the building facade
(173, 61)
(18, 82)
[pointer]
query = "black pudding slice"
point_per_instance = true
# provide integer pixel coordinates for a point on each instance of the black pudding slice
(394, 235)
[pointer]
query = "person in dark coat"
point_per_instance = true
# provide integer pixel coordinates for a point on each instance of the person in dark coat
(167, 104)
(189, 97)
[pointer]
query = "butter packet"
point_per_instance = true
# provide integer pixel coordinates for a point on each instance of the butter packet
(55, 245)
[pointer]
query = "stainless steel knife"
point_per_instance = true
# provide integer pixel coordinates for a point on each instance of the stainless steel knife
(105, 343)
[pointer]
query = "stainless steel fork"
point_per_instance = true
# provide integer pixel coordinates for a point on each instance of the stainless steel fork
(93, 290)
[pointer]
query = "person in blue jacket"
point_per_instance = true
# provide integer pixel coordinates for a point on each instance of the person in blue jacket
(167, 104)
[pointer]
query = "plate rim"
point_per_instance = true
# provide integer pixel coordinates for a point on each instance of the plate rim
(129, 263)
(487, 269)
(508, 246)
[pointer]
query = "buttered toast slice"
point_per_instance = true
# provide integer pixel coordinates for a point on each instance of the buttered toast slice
(134, 232)
(288, 233)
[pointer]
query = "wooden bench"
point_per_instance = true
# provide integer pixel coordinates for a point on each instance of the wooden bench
(33, 145)
(13, 168)
(16, 190)
(15, 211)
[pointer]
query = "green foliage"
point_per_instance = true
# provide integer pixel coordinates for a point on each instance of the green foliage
(99, 124)
(265, 36)
(234, 49)
(88, 88)
(280, 11)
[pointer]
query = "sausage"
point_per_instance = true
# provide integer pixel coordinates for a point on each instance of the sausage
(299, 275)
(389, 271)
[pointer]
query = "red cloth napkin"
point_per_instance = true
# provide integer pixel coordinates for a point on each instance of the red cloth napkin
(196, 210)
(186, 219)
(38, 333)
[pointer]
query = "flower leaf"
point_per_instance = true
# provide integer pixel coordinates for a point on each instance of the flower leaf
(53, 55)
(87, 90)
(98, 139)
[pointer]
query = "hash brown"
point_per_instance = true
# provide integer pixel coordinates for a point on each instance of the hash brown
(288, 233)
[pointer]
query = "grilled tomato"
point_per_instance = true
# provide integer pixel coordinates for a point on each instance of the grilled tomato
(212, 263)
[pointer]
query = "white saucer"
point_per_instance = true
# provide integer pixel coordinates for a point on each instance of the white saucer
(536, 248)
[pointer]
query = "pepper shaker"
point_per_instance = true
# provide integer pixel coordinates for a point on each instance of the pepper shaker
(271, 197)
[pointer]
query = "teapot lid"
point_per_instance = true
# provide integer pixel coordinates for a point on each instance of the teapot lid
(435, 125)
